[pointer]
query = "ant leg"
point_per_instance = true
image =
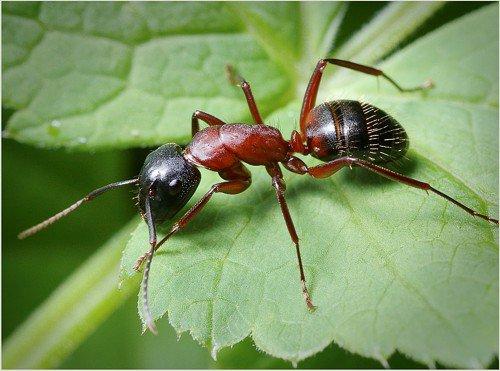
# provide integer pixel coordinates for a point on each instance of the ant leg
(296, 165)
(309, 100)
(297, 145)
(234, 186)
(279, 186)
(376, 72)
(325, 170)
(229, 187)
(203, 116)
(236, 79)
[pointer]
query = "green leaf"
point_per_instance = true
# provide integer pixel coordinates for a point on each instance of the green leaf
(100, 75)
(390, 268)
(421, 278)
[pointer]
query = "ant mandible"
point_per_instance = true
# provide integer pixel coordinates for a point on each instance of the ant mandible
(340, 133)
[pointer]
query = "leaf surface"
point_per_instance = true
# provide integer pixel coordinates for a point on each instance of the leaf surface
(389, 267)
(82, 81)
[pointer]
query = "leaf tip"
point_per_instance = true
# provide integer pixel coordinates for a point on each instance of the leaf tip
(149, 326)
(475, 364)
(431, 365)
(384, 363)
(379, 357)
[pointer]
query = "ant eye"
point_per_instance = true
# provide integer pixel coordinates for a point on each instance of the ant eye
(174, 187)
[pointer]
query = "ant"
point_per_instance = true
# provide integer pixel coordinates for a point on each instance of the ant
(340, 133)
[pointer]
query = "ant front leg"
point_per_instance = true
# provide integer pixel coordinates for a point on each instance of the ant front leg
(145, 278)
(229, 187)
(240, 182)
(238, 80)
(309, 100)
(279, 186)
(206, 117)
(328, 169)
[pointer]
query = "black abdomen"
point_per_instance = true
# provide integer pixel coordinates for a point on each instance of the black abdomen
(350, 128)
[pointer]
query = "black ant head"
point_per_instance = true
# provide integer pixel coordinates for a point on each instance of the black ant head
(168, 180)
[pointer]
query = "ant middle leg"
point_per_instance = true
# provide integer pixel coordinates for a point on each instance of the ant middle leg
(329, 168)
(309, 99)
(203, 116)
(238, 80)
(279, 186)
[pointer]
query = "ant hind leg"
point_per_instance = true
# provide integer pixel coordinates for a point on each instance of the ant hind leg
(329, 168)
(376, 72)
(309, 99)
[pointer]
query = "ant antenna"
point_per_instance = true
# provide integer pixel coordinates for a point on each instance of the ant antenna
(99, 191)
(148, 318)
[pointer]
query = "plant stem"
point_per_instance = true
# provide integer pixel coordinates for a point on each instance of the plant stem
(74, 310)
